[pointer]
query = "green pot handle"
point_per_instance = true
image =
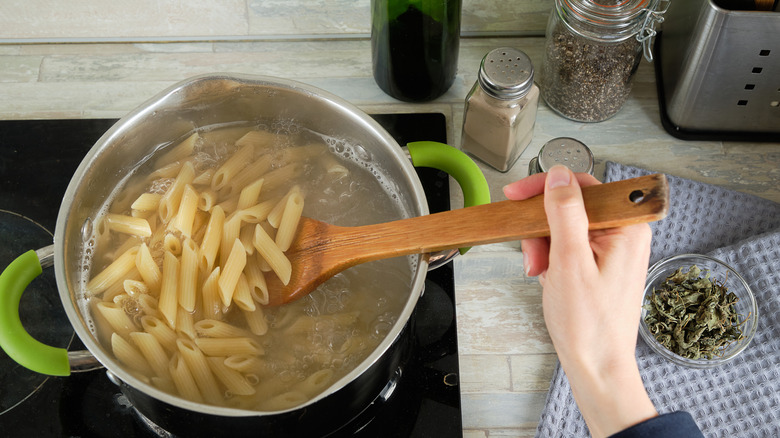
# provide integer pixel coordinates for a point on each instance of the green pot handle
(14, 339)
(456, 163)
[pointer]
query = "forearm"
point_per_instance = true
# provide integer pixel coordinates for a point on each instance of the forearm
(611, 398)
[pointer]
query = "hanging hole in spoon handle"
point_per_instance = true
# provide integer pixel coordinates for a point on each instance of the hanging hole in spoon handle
(636, 196)
(626, 202)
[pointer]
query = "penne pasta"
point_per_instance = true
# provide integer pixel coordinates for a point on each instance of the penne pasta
(147, 202)
(186, 213)
(225, 135)
(122, 201)
(113, 273)
(254, 214)
(268, 249)
(168, 171)
(164, 334)
(185, 324)
(248, 364)
(257, 139)
(183, 379)
(165, 385)
(315, 383)
(169, 203)
(153, 352)
(178, 152)
(231, 272)
(242, 295)
(204, 178)
(199, 226)
(290, 218)
(249, 194)
(200, 370)
(255, 320)
(277, 177)
(284, 401)
(333, 168)
(302, 153)
(103, 237)
(148, 305)
(211, 328)
(169, 298)
(148, 269)
(234, 381)
(135, 287)
(231, 231)
(228, 205)
(250, 173)
(129, 355)
(210, 245)
(301, 325)
(188, 275)
(232, 166)
(247, 237)
(228, 346)
(256, 279)
(118, 288)
(172, 244)
(207, 200)
(116, 317)
(275, 216)
(103, 329)
(127, 244)
(212, 302)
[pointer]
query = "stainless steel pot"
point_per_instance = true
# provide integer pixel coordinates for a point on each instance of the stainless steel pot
(197, 102)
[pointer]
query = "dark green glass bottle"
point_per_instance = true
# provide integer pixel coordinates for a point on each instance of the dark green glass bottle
(414, 45)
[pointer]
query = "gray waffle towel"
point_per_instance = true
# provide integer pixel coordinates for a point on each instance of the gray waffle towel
(741, 398)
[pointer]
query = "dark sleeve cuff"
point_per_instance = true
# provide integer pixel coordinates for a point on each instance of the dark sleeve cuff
(672, 425)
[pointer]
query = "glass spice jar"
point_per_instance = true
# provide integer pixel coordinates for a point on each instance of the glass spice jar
(592, 51)
(500, 110)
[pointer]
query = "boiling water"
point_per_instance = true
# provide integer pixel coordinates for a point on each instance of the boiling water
(310, 343)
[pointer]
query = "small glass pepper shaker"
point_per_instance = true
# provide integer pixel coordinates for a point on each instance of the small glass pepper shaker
(500, 109)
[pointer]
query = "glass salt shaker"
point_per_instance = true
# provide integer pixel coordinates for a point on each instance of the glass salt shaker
(592, 51)
(500, 109)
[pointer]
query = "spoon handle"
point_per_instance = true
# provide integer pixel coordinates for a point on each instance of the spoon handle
(610, 205)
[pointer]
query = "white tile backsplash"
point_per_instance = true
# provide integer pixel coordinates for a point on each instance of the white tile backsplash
(171, 20)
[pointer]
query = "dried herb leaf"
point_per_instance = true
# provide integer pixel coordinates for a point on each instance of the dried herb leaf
(693, 315)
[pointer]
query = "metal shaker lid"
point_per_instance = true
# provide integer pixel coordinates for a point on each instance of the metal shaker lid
(506, 73)
(567, 151)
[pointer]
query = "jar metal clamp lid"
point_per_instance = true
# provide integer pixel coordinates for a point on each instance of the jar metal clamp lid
(563, 150)
(610, 20)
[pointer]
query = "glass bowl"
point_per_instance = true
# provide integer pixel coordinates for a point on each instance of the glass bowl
(746, 307)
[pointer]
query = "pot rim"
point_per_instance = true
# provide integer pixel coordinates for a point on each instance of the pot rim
(122, 127)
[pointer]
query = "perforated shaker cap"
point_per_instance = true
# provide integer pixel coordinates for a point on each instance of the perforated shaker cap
(567, 151)
(506, 73)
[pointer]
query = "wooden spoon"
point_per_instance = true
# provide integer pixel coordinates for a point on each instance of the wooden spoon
(321, 250)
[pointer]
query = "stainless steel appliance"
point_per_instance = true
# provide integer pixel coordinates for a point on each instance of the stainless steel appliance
(718, 72)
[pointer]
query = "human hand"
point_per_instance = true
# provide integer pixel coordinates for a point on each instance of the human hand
(592, 294)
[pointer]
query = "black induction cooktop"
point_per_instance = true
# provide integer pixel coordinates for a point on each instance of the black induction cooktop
(37, 160)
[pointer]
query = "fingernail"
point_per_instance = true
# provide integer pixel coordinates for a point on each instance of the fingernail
(526, 264)
(558, 176)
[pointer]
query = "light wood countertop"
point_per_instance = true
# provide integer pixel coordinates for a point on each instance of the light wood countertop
(506, 357)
